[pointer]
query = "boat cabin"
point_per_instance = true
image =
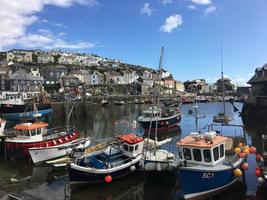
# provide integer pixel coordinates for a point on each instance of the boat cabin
(151, 112)
(202, 149)
(30, 130)
(132, 144)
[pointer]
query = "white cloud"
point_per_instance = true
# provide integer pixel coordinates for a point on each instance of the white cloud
(146, 9)
(191, 7)
(17, 15)
(55, 24)
(202, 2)
(171, 23)
(209, 10)
(46, 40)
(166, 1)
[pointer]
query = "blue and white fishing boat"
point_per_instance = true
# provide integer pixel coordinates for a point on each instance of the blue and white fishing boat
(120, 158)
(203, 166)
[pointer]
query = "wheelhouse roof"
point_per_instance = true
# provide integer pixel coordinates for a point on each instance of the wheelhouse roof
(30, 126)
(189, 141)
(130, 138)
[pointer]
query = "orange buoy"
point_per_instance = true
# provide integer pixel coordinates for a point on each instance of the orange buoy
(237, 150)
(237, 172)
(246, 151)
(108, 179)
(244, 166)
(242, 155)
(252, 150)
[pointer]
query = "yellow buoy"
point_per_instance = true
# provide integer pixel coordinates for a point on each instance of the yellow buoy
(237, 172)
(246, 151)
(240, 145)
(237, 150)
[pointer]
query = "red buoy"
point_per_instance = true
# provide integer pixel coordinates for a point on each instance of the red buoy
(108, 179)
(242, 155)
(258, 172)
(252, 150)
(244, 166)
(258, 157)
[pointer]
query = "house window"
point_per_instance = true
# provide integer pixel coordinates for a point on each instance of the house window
(197, 155)
(187, 153)
(221, 150)
(216, 153)
(207, 156)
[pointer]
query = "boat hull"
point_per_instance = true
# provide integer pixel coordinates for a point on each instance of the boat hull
(163, 123)
(25, 115)
(196, 184)
(15, 150)
(94, 176)
(41, 154)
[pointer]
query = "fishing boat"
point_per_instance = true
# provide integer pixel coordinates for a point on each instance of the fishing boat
(15, 108)
(203, 167)
(34, 134)
(42, 154)
(155, 117)
(120, 158)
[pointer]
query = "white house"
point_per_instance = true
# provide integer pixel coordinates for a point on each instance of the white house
(96, 77)
(45, 58)
(19, 56)
(67, 59)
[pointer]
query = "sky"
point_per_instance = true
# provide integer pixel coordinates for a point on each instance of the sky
(134, 31)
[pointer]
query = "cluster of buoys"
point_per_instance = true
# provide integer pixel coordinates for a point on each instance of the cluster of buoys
(242, 151)
(258, 170)
(164, 123)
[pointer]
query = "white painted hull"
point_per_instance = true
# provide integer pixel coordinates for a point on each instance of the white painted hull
(39, 155)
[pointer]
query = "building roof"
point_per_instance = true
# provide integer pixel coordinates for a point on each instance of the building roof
(258, 79)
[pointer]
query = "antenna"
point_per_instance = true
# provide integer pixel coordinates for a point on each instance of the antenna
(222, 79)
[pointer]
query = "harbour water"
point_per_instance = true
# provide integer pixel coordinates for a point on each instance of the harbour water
(22, 179)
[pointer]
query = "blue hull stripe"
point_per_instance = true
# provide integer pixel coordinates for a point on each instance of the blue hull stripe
(18, 116)
(197, 182)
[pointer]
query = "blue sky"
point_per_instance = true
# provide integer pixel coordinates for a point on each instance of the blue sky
(134, 31)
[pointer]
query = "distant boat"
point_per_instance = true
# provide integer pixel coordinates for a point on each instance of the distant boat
(222, 117)
(104, 102)
(139, 101)
(119, 102)
(120, 158)
(15, 108)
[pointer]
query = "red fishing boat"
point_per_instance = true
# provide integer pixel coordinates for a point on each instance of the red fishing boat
(35, 134)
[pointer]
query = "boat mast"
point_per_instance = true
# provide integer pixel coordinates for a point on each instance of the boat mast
(223, 94)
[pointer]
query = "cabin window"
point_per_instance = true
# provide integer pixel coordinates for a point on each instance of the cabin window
(180, 153)
(33, 132)
(38, 131)
(136, 147)
(197, 155)
(187, 153)
(131, 148)
(125, 147)
(216, 153)
(207, 156)
(25, 132)
(221, 151)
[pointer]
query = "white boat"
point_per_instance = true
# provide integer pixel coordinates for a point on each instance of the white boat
(42, 154)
